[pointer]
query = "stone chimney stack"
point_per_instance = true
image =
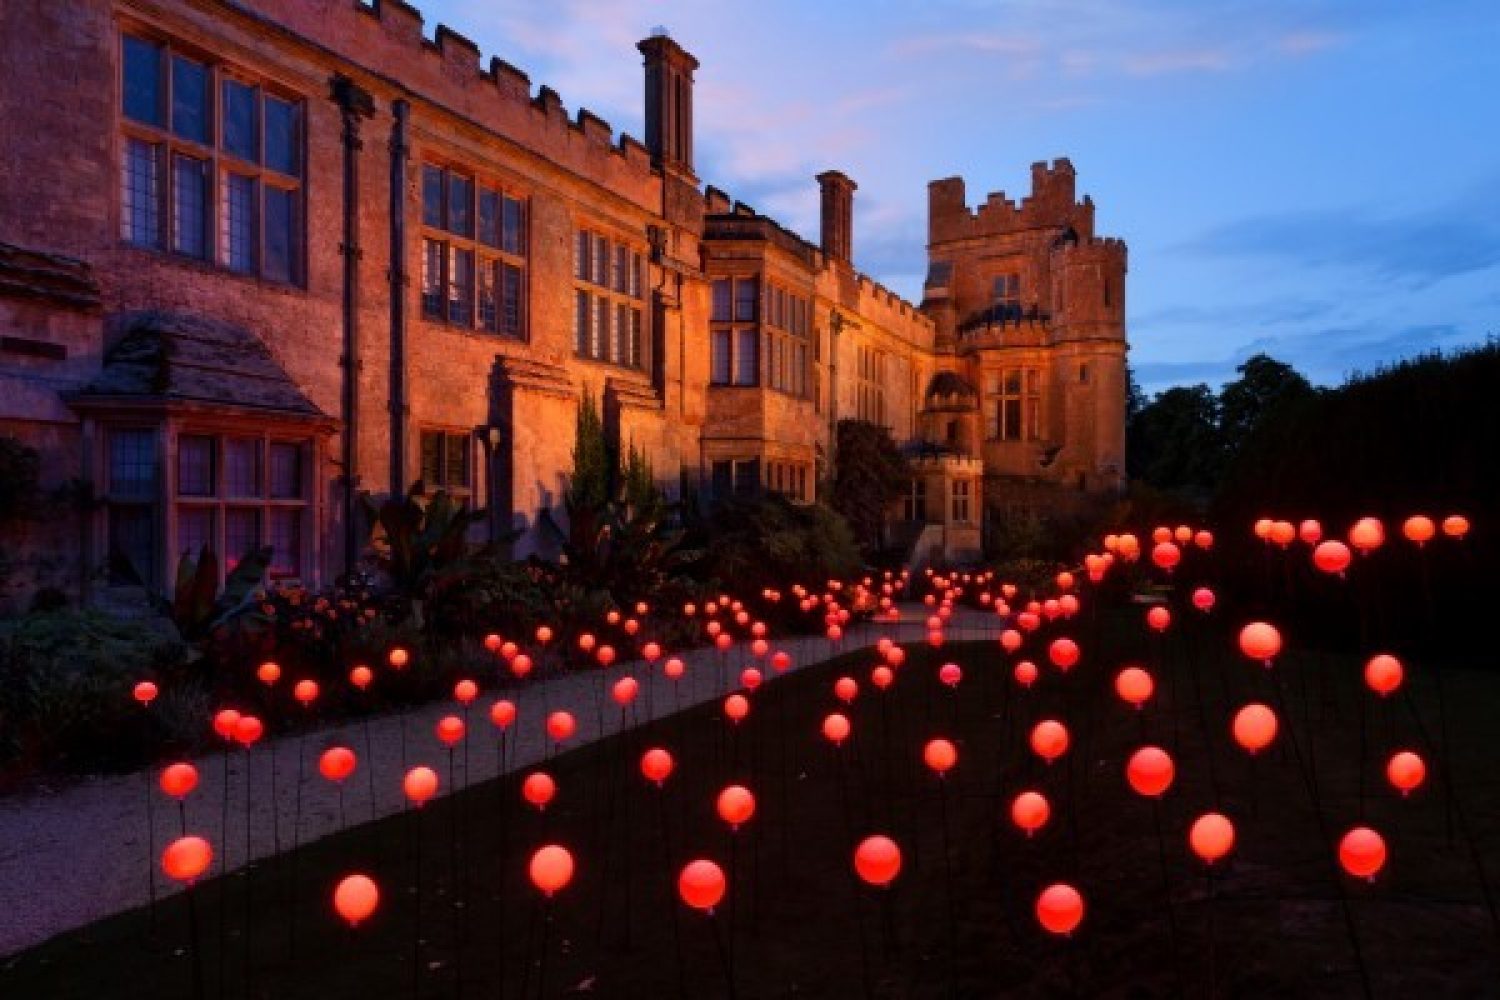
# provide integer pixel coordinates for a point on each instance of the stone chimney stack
(837, 236)
(669, 102)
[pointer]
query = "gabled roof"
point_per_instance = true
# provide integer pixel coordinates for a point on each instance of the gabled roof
(169, 357)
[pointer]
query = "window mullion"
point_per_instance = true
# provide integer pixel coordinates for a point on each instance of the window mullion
(257, 228)
(164, 71)
(443, 183)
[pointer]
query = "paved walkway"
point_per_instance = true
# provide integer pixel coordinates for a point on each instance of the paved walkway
(71, 857)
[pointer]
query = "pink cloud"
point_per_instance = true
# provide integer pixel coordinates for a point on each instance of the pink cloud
(1208, 60)
(1299, 43)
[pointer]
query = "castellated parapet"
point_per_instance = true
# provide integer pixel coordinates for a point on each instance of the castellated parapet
(446, 70)
(1051, 201)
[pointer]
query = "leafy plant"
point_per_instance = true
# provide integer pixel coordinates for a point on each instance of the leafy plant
(421, 546)
(197, 608)
(618, 541)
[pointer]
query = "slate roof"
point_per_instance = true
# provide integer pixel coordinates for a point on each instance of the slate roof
(172, 357)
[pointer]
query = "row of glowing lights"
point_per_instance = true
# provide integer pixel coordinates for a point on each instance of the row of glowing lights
(877, 859)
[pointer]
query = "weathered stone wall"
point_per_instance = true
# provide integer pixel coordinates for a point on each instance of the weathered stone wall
(60, 97)
(60, 192)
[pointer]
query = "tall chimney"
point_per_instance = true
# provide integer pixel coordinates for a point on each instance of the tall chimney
(669, 102)
(837, 236)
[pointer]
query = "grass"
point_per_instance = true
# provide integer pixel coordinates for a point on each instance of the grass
(1274, 921)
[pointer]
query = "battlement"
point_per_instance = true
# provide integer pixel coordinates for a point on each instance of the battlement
(384, 41)
(1051, 203)
(715, 201)
(727, 218)
(891, 302)
(1108, 248)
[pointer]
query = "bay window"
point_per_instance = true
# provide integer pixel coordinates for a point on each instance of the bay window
(734, 337)
(229, 493)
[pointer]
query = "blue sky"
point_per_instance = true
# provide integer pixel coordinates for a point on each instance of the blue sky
(1316, 179)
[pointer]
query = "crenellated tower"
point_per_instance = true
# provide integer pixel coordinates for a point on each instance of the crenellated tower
(1029, 308)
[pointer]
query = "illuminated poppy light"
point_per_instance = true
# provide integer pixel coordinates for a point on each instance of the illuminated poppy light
(355, 898)
(1059, 908)
(877, 860)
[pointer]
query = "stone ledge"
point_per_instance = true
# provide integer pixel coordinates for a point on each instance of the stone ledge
(633, 393)
(533, 375)
(48, 277)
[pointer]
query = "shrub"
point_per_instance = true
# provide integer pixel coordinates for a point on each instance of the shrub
(772, 542)
(65, 694)
(20, 467)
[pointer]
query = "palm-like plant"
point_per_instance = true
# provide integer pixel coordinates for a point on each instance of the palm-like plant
(618, 539)
(197, 607)
(421, 545)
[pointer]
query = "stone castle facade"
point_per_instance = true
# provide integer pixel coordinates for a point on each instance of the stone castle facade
(258, 259)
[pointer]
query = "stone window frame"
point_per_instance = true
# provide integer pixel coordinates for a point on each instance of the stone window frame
(744, 475)
(146, 501)
(787, 322)
(870, 365)
(739, 333)
(267, 503)
(787, 479)
(961, 493)
(1021, 406)
(609, 281)
(169, 148)
(463, 488)
(1005, 291)
(914, 501)
(485, 258)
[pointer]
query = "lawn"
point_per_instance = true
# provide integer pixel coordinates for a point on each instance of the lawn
(1276, 918)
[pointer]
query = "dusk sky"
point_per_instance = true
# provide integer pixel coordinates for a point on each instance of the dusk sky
(1315, 179)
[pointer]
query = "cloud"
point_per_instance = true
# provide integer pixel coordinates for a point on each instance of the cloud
(1301, 43)
(1326, 355)
(981, 42)
(1154, 376)
(1120, 38)
(1415, 249)
(1221, 315)
(1178, 61)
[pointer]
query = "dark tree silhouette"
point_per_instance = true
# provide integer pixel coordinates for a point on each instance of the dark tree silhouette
(1174, 442)
(1263, 385)
(869, 475)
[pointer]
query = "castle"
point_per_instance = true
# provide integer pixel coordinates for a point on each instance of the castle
(259, 259)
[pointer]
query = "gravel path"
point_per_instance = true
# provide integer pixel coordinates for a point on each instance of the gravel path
(73, 856)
